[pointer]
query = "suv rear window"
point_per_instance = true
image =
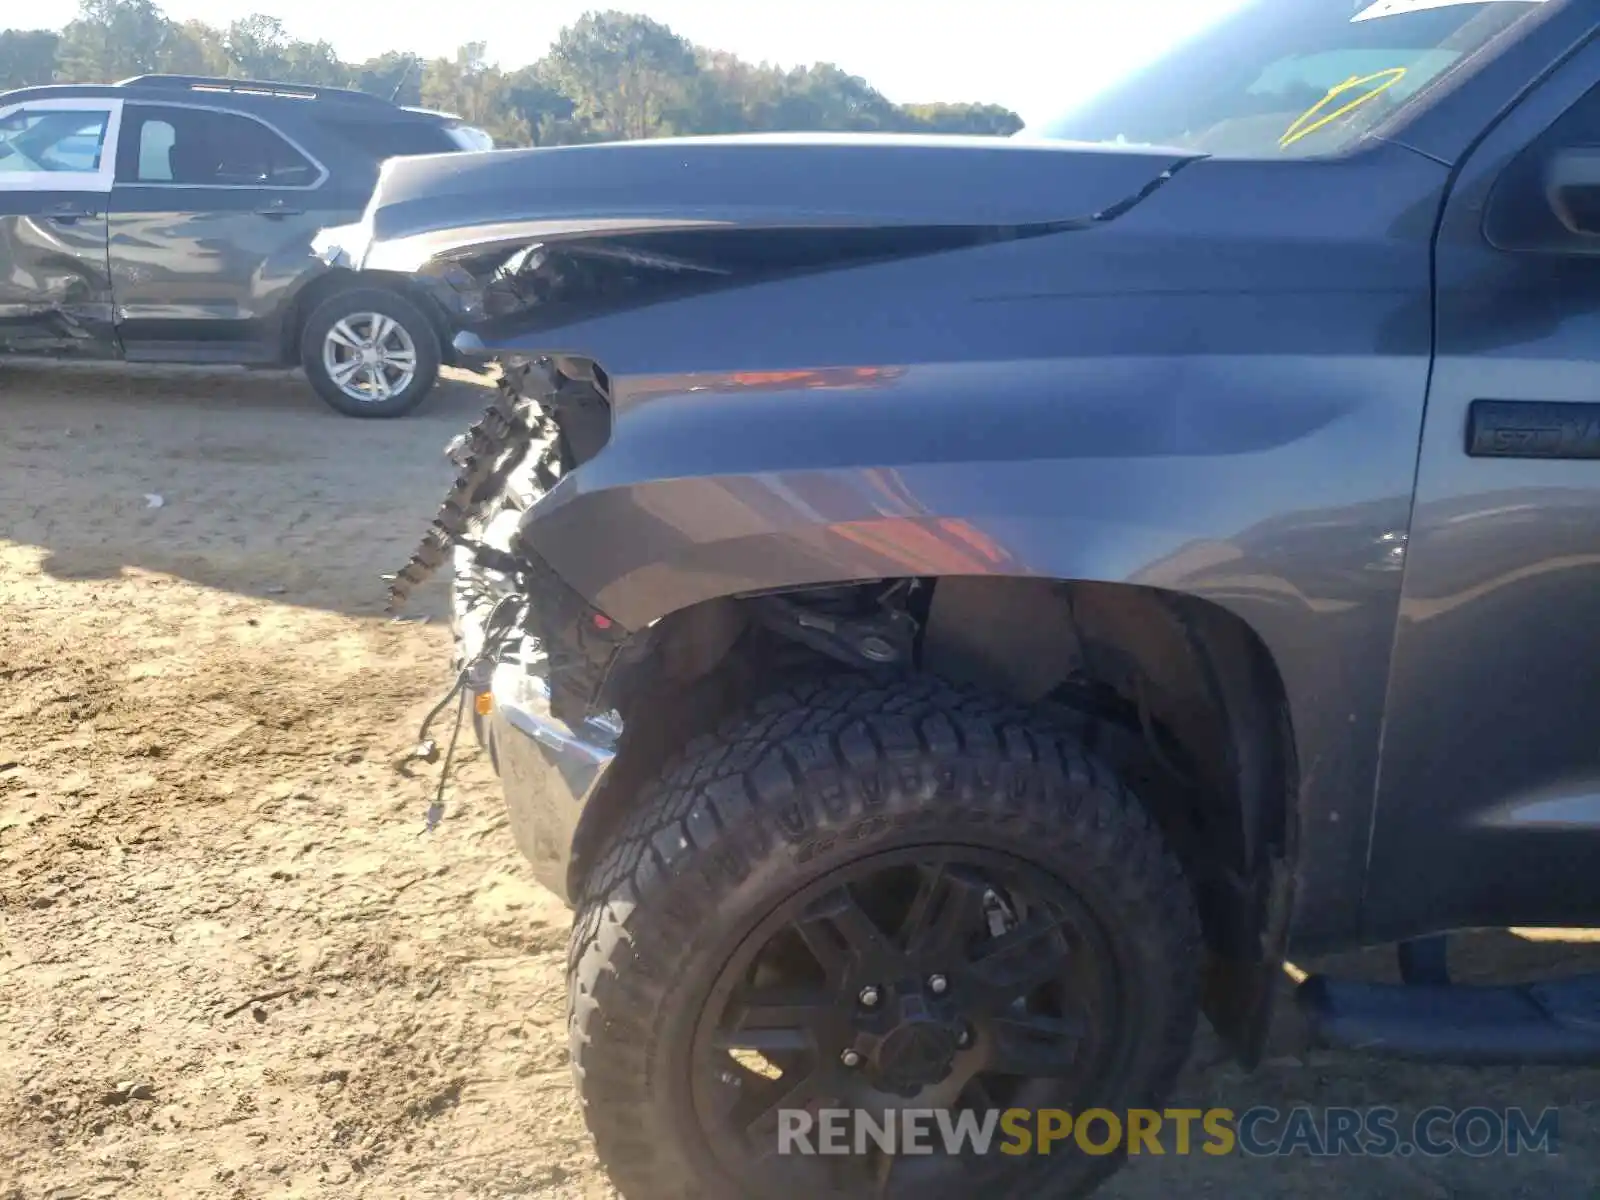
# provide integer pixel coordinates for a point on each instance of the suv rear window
(394, 139)
(198, 146)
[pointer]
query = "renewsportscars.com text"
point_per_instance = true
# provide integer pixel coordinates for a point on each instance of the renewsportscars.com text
(1478, 1132)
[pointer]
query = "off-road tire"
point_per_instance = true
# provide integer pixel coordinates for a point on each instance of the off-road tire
(393, 305)
(810, 779)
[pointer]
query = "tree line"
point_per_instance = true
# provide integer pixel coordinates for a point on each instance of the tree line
(609, 75)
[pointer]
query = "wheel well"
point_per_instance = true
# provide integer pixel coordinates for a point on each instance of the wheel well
(1186, 702)
(330, 283)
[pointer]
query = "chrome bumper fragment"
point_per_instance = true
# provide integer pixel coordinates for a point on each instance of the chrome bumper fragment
(548, 770)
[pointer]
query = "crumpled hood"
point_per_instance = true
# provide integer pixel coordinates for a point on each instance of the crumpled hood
(438, 204)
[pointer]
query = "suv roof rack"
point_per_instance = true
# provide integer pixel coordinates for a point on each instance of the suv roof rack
(250, 87)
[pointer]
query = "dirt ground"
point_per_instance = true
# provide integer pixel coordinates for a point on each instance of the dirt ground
(232, 965)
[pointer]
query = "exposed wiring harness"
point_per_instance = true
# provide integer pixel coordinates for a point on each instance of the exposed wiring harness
(497, 632)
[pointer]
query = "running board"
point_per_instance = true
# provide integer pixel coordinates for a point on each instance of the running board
(1552, 1022)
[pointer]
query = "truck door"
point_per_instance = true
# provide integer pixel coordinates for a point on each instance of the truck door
(1488, 807)
(56, 161)
(211, 226)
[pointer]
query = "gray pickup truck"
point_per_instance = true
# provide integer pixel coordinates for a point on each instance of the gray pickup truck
(948, 612)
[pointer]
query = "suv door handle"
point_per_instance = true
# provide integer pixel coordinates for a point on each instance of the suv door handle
(278, 209)
(67, 212)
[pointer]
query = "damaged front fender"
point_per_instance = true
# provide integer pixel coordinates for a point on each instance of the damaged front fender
(1167, 395)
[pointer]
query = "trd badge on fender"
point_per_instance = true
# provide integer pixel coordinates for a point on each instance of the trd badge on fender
(1533, 429)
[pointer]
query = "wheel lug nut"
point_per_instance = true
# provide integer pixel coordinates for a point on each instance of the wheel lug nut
(869, 997)
(938, 984)
(850, 1058)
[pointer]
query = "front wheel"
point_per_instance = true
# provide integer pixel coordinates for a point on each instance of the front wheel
(878, 899)
(370, 352)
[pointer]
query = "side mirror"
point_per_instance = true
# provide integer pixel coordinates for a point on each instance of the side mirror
(1572, 189)
(1547, 201)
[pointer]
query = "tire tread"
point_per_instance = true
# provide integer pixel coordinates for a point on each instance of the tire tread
(808, 756)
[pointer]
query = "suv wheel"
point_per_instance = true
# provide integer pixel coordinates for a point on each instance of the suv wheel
(876, 897)
(370, 352)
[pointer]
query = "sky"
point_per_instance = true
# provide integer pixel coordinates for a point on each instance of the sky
(1033, 56)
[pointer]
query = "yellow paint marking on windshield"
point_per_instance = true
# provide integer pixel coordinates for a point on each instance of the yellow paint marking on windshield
(1308, 122)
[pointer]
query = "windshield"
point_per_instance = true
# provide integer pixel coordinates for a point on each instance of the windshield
(1288, 78)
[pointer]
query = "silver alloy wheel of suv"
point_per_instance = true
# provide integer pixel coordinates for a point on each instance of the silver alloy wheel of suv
(370, 352)
(369, 356)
